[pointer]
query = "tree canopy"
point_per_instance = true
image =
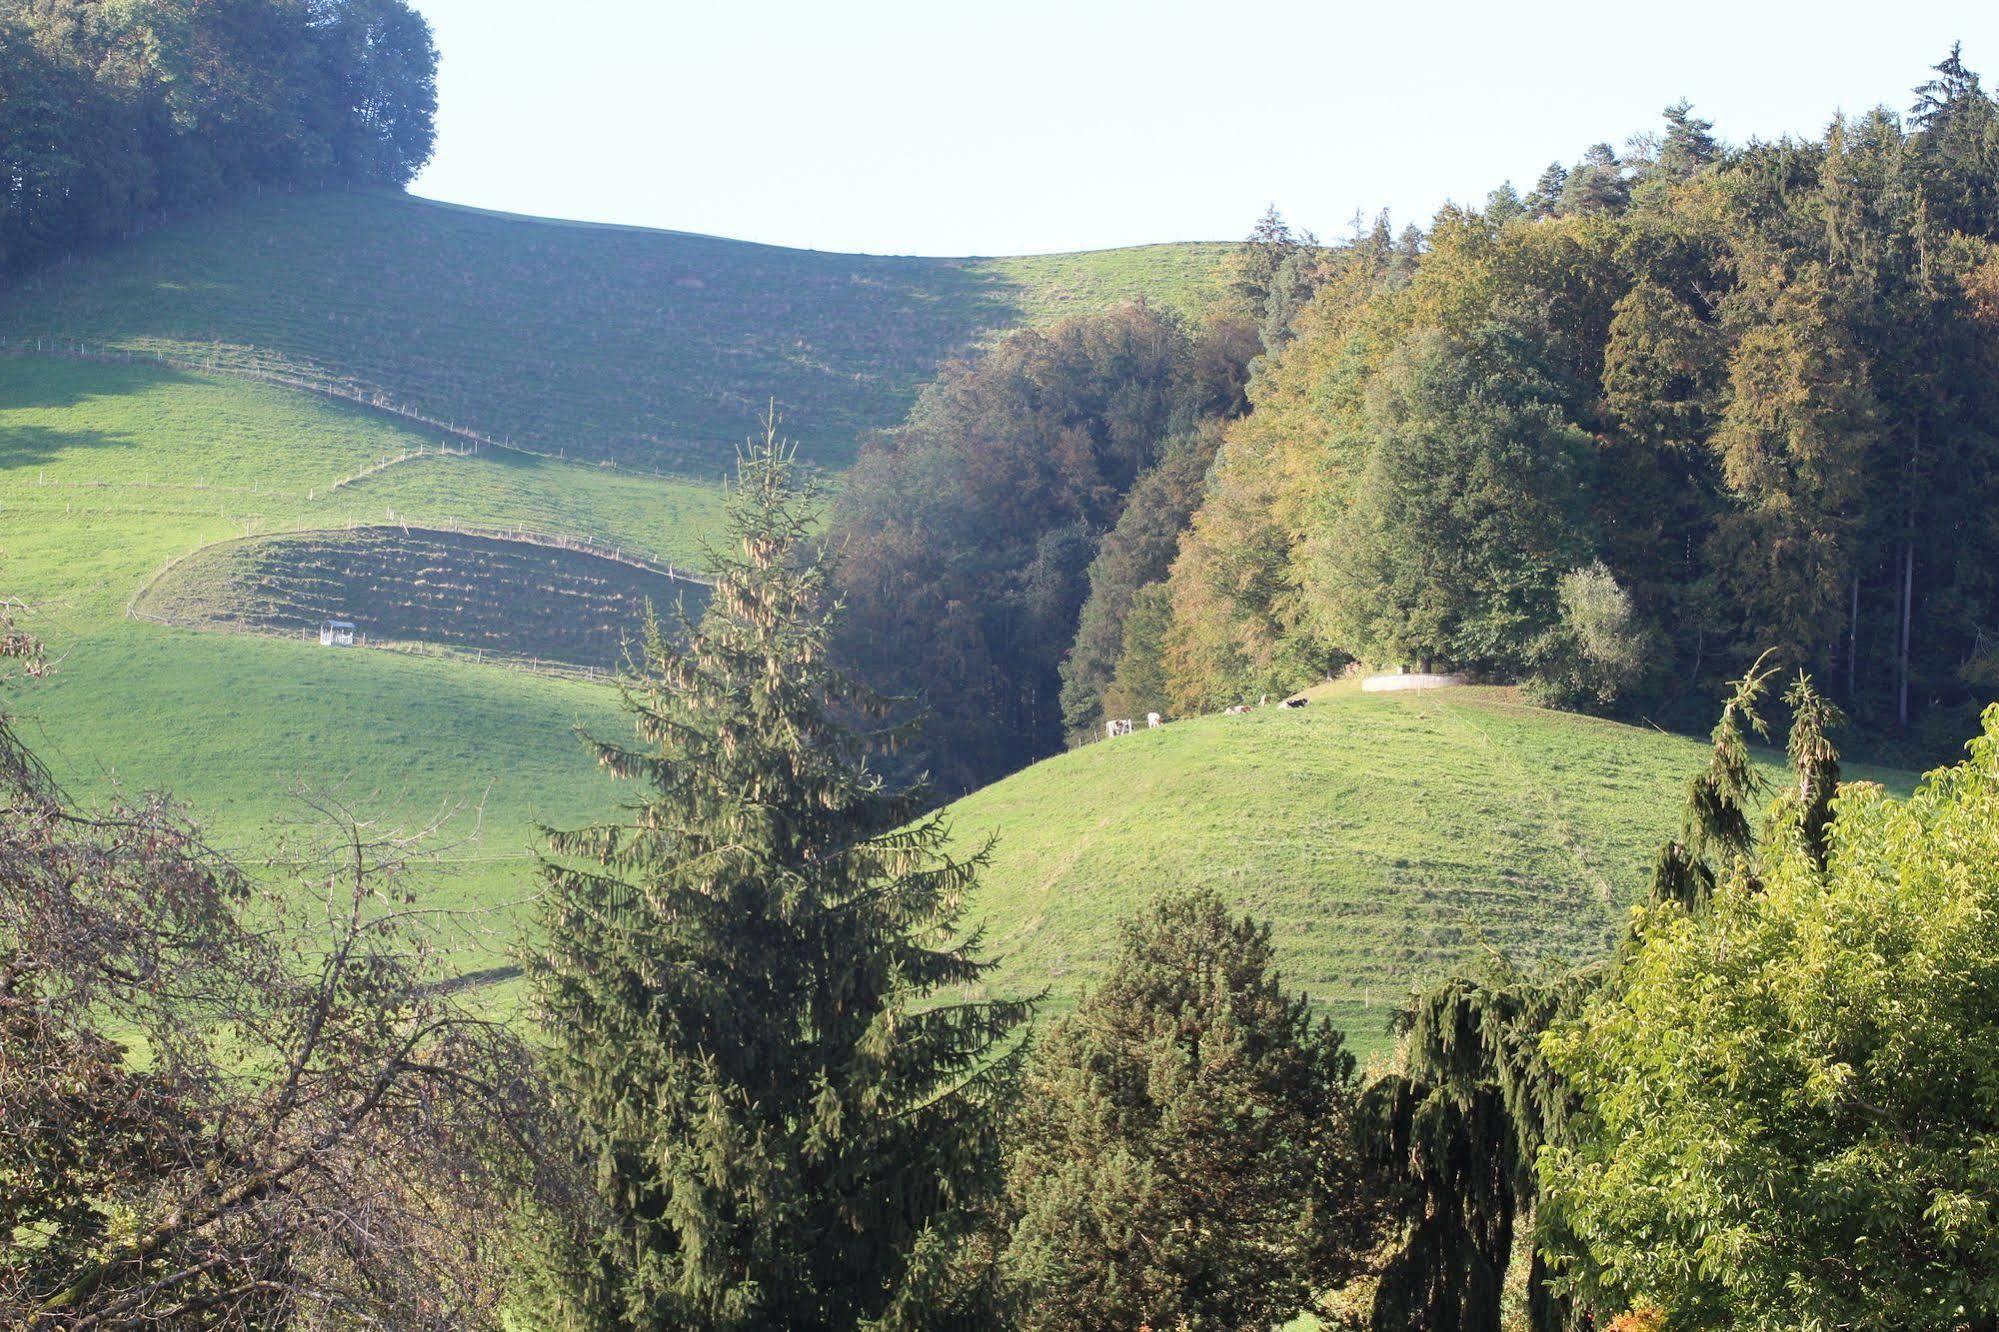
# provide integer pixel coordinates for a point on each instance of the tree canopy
(1787, 1098)
(111, 113)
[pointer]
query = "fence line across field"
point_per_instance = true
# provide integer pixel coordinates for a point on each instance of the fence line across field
(374, 399)
(527, 536)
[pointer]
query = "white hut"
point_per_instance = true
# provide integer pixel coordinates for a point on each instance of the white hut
(336, 633)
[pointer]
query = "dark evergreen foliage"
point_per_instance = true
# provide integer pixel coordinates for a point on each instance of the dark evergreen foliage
(1184, 1153)
(1459, 1126)
(752, 990)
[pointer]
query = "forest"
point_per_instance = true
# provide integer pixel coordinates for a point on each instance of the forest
(1610, 439)
(113, 114)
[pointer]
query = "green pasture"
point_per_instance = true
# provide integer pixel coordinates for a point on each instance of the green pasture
(654, 349)
(1385, 836)
(109, 473)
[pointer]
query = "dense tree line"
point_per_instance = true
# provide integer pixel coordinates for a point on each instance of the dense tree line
(110, 113)
(1611, 439)
(1753, 387)
(963, 541)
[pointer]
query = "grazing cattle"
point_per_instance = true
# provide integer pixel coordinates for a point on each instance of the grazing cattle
(1153, 720)
(1296, 702)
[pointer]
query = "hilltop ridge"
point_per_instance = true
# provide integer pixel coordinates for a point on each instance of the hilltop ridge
(648, 348)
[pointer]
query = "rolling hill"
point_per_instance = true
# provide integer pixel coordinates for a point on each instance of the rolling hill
(652, 349)
(1386, 836)
(203, 468)
(145, 506)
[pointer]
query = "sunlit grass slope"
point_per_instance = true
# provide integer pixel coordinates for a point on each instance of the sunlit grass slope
(109, 472)
(1385, 836)
(652, 348)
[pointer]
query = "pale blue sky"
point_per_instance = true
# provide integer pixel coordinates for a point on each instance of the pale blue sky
(892, 126)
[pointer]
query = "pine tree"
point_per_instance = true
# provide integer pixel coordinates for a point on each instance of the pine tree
(1184, 1154)
(1813, 719)
(746, 983)
(1955, 84)
(1504, 204)
(1597, 184)
(1545, 199)
(1689, 143)
(1715, 832)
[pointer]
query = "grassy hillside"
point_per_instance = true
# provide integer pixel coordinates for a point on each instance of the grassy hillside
(110, 472)
(415, 585)
(1385, 836)
(651, 348)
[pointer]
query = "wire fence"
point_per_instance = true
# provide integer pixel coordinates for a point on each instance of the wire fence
(326, 387)
(532, 664)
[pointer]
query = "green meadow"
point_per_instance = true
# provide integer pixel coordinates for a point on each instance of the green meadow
(1385, 836)
(109, 474)
(652, 349)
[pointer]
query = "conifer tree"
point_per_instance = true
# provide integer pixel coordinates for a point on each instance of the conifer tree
(1545, 199)
(749, 983)
(1715, 831)
(1816, 759)
(1184, 1154)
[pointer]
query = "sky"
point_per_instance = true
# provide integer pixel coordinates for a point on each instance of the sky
(970, 127)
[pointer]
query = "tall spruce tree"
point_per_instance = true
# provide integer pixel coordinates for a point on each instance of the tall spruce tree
(748, 980)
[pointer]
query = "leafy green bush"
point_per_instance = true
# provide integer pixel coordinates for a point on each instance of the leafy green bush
(1791, 1099)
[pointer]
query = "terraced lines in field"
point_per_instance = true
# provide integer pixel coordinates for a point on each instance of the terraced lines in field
(475, 593)
(1386, 837)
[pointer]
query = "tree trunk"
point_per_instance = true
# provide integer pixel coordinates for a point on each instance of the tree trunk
(1853, 643)
(1908, 615)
